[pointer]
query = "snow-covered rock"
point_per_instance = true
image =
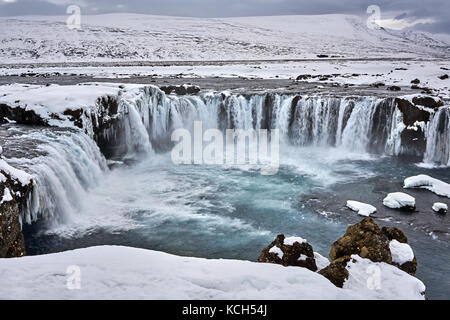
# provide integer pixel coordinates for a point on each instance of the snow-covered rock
(15, 174)
(6, 196)
(440, 207)
(361, 208)
(400, 200)
(111, 272)
(289, 241)
(423, 181)
(290, 251)
(321, 261)
(401, 252)
(277, 251)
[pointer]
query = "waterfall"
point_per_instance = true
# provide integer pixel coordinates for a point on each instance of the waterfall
(68, 164)
(358, 124)
(438, 138)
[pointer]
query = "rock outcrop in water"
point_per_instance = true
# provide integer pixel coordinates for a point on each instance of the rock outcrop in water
(289, 252)
(364, 239)
(368, 241)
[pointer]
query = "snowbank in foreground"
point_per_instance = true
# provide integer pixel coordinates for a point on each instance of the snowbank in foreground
(111, 272)
(426, 182)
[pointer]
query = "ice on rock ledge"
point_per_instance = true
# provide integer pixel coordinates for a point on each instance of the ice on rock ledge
(426, 182)
(440, 207)
(401, 252)
(361, 208)
(398, 200)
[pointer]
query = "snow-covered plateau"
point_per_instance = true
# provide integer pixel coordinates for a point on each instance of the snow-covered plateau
(134, 37)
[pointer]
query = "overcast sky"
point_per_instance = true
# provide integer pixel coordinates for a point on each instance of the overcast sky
(428, 15)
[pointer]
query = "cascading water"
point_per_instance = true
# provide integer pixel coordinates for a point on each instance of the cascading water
(219, 212)
(147, 117)
(438, 138)
(65, 165)
(364, 124)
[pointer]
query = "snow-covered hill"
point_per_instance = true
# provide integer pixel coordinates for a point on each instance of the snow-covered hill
(122, 37)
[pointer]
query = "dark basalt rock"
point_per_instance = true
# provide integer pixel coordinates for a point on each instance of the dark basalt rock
(414, 141)
(368, 241)
(443, 77)
(11, 238)
(336, 271)
(394, 234)
(20, 115)
(364, 239)
(181, 90)
(411, 113)
(291, 254)
(303, 77)
(442, 211)
(394, 88)
(427, 102)
(377, 84)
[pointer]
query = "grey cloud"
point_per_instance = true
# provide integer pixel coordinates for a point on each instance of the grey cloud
(438, 10)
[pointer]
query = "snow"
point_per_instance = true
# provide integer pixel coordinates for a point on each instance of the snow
(302, 257)
(363, 209)
(399, 200)
(439, 187)
(401, 252)
(376, 280)
(321, 261)
(291, 240)
(346, 71)
(23, 177)
(438, 206)
(277, 251)
(135, 37)
(111, 272)
(45, 100)
(6, 196)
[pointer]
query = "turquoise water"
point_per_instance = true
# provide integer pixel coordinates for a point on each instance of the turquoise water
(220, 212)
